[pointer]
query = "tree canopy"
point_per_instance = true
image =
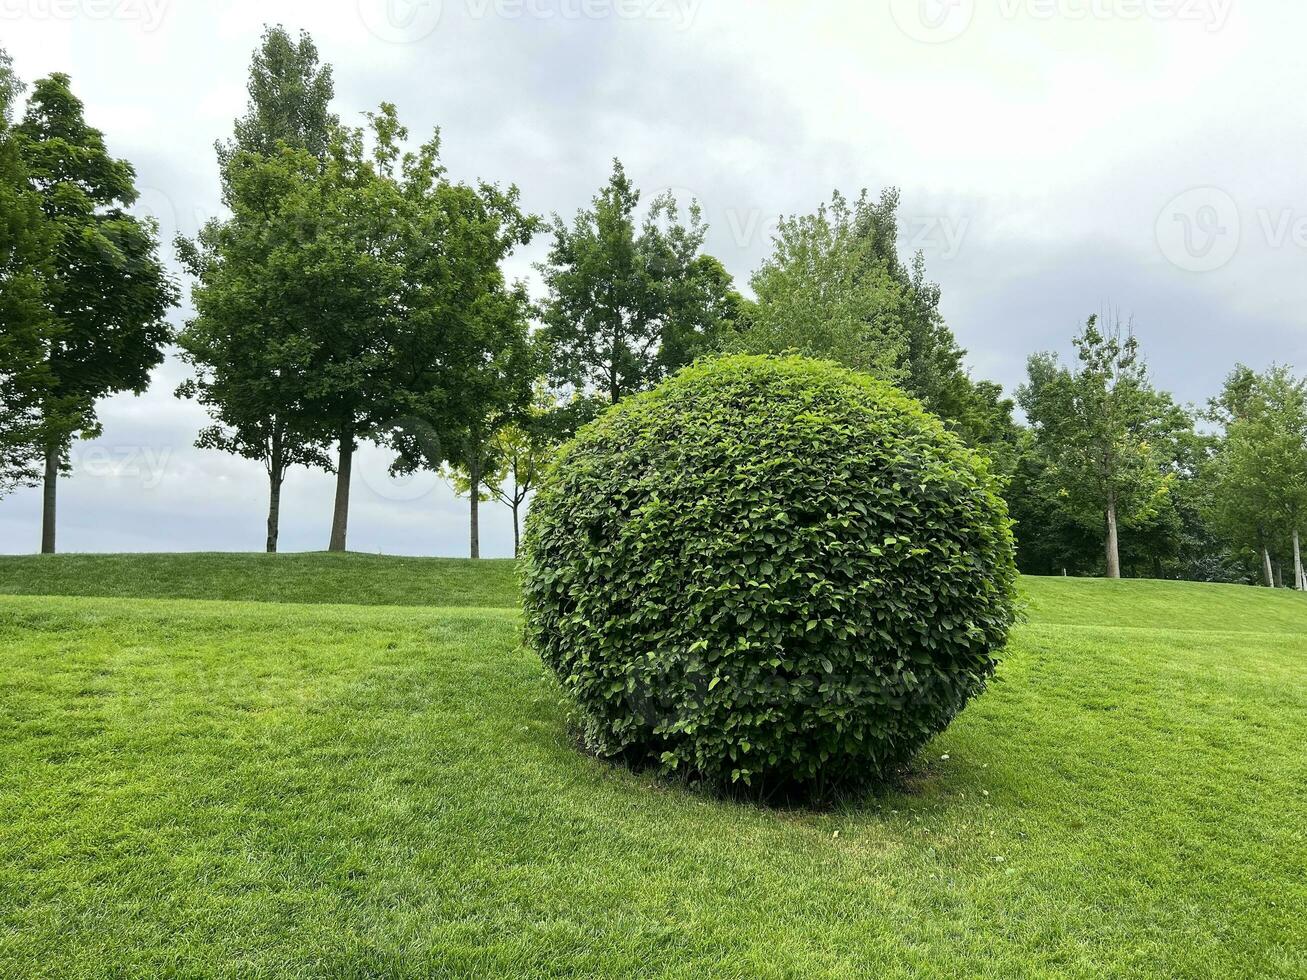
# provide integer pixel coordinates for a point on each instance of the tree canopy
(630, 301)
(105, 294)
(250, 339)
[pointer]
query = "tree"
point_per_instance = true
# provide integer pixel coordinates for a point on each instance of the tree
(460, 362)
(626, 306)
(825, 292)
(1261, 470)
(25, 324)
(106, 291)
(290, 101)
(250, 340)
(516, 457)
(492, 403)
(836, 287)
(342, 261)
(1096, 429)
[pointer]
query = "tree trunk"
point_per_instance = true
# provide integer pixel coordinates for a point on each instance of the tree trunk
(274, 510)
(340, 517)
(1113, 556)
(48, 501)
(517, 536)
(1298, 582)
(276, 475)
(1279, 576)
(474, 477)
(1266, 568)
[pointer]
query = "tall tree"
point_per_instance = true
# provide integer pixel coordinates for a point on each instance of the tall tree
(468, 328)
(628, 304)
(250, 340)
(25, 324)
(1261, 485)
(1096, 428)
(290, 93)
(836, 287)
(826, 292)
(418, 339)
(343, 262)
(106, 291)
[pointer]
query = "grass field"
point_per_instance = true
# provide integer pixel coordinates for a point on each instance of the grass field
(205, 785)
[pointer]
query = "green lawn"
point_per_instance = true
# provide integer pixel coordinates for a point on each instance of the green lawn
(250, 789)
(370, 580)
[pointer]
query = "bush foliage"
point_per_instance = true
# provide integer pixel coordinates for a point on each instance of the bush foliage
(769, 570)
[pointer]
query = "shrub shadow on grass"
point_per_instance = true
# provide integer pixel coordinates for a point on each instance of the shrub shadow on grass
(781, 796)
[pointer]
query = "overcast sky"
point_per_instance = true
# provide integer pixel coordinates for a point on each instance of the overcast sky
(1056, 157)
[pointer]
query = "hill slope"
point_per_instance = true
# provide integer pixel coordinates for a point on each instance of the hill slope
(238, 789)
(358, 579)
(350, 578)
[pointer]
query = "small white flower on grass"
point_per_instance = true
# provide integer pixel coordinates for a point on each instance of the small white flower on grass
(944, 757)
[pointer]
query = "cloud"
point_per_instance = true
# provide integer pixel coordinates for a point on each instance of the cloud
(1038, 144)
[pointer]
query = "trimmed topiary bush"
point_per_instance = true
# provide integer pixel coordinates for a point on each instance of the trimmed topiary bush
(768, 569)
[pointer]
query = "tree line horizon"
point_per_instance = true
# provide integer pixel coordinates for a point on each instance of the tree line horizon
(354, 292)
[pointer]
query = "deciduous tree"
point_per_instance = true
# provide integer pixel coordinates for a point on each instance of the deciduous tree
(516, 457)
(26, 256)
(250, 341)
(106, 291)
(1096, 428)
(836, 287)
(1261, 468)
(463, 363)
(629, 302)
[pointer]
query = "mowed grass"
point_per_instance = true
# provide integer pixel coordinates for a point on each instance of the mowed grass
(309, 577)
(248, 789)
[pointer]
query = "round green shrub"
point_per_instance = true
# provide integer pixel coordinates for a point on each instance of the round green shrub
(768, 569)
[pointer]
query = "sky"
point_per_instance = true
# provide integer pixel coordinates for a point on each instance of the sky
(1055, 158)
